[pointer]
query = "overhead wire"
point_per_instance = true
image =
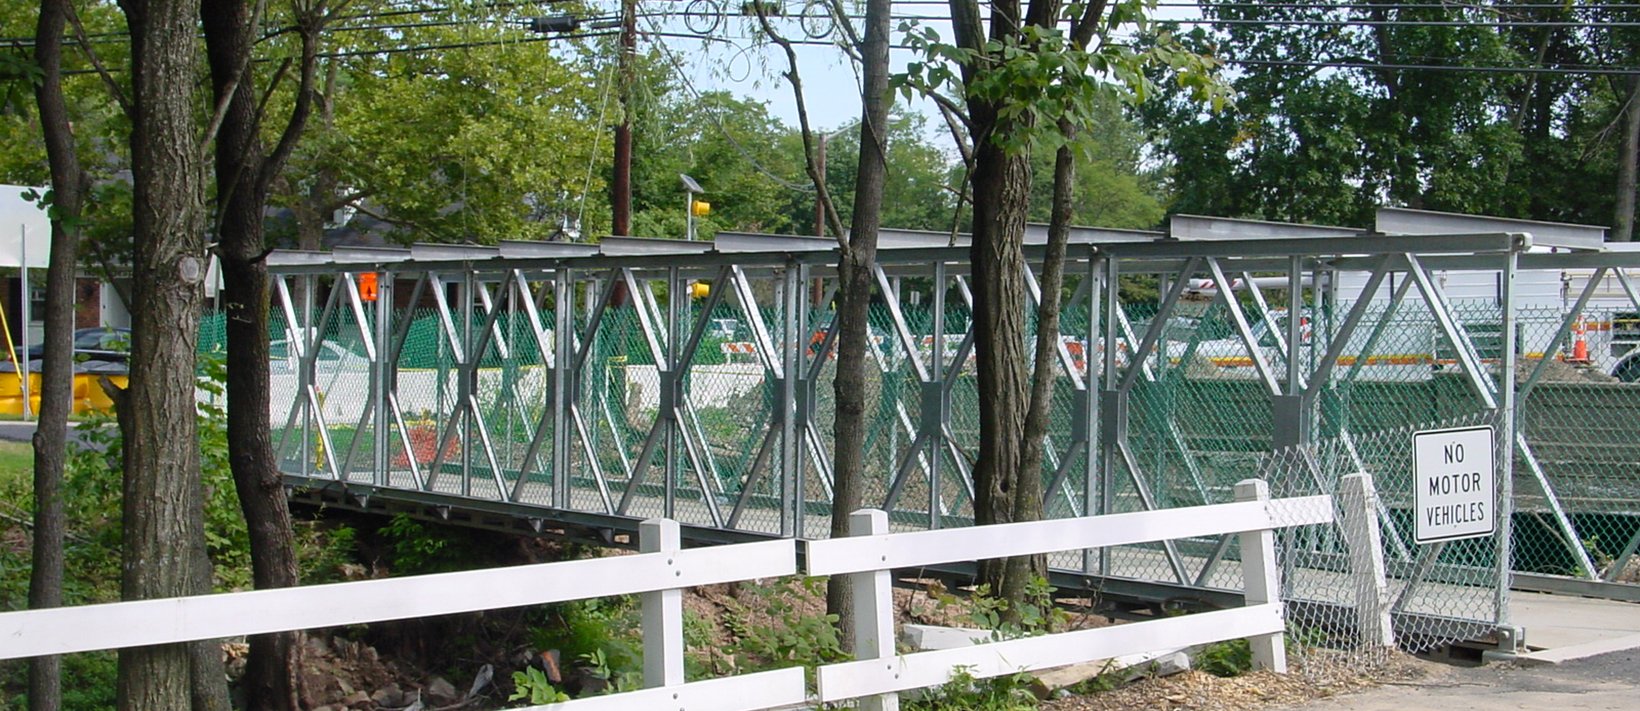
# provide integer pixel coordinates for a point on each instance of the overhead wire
(1396, 6)
(716, 121)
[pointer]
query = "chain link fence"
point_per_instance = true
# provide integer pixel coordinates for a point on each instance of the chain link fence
(706, 436)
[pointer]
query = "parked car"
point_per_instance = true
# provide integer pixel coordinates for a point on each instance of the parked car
(102, 343)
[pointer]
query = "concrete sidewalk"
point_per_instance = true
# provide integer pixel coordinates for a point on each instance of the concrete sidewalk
(1607, 682)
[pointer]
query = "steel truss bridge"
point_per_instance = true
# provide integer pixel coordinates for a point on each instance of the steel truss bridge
(580, 387)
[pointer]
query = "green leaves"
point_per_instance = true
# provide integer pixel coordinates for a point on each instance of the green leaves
(1031, 79)
(531, 685)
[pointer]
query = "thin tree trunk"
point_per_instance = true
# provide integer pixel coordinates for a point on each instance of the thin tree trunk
(1028, 498)
(855, 279)
(243, 174)
(1623, 223)
(57, 378)
(163, 514)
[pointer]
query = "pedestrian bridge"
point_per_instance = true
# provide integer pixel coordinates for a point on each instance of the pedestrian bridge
(581, 389)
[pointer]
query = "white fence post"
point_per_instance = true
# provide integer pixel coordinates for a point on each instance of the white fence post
(873, 593)
(662, 610)
(1261, 579)
(1358, 507)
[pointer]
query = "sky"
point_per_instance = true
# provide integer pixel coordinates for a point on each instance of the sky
(831, 84)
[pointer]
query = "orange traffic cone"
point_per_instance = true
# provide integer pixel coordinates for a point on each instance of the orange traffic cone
(1580, 343)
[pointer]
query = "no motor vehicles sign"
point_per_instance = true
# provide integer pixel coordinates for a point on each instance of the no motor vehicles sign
(1455, 495)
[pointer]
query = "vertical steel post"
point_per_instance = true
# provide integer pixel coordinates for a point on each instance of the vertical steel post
(672, 387)
(1506, 401)
(384, 371)
(565, 378)
(1113, 400)
(1098, 343)
(1291, 410)
(937, 369)
(789, 290)
(464, 389)
(297, 348)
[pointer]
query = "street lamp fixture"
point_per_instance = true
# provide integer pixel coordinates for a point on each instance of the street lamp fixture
(693, 208)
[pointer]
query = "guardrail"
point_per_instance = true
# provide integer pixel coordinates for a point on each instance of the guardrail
(662, 570)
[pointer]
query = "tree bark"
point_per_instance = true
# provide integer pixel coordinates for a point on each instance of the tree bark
(1028, 497)
(163, 516)
(243, 175)
(1015, 390)
(57, 378)
(856, 277)
(1623, 223)
(1001, 188)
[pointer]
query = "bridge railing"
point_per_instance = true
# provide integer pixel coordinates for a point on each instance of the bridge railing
(661, 571)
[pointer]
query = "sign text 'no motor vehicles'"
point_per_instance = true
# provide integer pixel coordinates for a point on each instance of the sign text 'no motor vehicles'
(1455, 485)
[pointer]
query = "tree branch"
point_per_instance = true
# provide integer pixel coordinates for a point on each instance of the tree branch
(84, 41)
(812, 162)
(1085, 27)
(312, 27)
(222, 102)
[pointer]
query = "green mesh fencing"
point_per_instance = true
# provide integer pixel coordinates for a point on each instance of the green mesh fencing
(470, 411)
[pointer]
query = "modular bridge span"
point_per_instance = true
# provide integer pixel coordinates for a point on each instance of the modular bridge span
(542, 386)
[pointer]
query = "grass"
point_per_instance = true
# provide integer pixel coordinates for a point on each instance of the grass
(16, 461)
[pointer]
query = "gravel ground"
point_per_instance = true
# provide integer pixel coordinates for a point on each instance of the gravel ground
(1609, 682)
(1317, 676)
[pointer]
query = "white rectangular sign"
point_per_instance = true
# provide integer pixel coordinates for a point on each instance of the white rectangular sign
(1455, 488)
(25, 229)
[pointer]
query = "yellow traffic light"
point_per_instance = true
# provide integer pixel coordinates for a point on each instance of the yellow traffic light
(700, 208)
(699, 290)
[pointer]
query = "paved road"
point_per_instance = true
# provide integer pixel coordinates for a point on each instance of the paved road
(16, 431)
(1609, 682)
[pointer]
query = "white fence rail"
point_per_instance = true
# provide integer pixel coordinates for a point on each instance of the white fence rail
(661, 571)
(871, 553)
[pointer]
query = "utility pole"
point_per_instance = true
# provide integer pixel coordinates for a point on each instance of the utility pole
(621, 186)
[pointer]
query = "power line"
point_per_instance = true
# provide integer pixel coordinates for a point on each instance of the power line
(712, 116)
(463, 45)
(1524, 24)
(1598, 71)
(1398, 6)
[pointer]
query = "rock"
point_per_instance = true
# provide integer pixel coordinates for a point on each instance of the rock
(924, 638)
(1132, 666)
(389, 695)
(441, 691)
(356, 699)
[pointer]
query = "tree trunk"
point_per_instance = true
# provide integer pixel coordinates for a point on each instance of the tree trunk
(855, 280)
(1028, 496)
(1623, 224)
(163, 515)
(57, 380)
(1001, 187)
(243, 174)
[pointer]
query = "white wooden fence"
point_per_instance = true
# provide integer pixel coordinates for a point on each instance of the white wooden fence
(662, 570)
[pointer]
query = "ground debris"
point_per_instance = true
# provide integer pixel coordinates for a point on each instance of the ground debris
(1317, 675)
